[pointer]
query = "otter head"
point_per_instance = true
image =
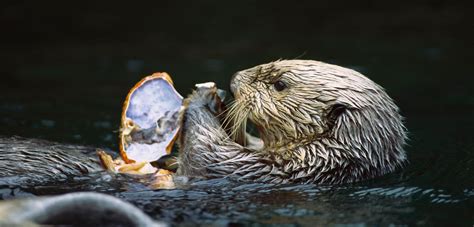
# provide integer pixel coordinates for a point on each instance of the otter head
(294, 103)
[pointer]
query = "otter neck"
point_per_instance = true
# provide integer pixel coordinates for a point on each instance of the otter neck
(282, 144)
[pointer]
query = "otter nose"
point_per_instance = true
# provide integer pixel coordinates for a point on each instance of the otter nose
(234, 84)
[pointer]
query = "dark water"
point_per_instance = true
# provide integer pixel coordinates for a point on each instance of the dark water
(65, 70)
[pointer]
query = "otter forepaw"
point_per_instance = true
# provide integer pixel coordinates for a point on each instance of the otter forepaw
(207, 95)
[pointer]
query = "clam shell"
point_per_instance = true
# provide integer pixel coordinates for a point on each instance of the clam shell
(150, 119)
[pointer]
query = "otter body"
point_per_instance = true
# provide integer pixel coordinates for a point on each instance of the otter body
(32, 161)
(319, 123)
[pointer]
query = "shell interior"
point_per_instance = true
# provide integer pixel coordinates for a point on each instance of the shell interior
(150, 121)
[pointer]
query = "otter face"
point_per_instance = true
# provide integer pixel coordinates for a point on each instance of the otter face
(281, 101)
(296, 102)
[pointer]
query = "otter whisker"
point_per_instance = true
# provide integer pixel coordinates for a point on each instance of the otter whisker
(241, 133)
(231, 104)
(231, 113)
(235, 121)
(239, 125)
(228, 119)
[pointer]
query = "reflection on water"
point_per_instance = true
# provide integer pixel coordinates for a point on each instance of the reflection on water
(220, 201)
(64, 78)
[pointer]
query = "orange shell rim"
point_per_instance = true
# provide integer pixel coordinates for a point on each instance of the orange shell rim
(158, 75)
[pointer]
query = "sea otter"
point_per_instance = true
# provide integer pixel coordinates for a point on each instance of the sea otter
(319, 124)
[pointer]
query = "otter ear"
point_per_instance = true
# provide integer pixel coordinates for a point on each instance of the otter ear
(334, 112)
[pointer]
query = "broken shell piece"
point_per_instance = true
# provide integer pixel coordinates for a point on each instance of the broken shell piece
(206, 85)
(118, 166)
(150, 119)
(163, 179)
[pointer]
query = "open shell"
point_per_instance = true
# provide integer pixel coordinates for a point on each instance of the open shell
(151, 119)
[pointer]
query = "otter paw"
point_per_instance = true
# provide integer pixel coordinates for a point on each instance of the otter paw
(207, 95)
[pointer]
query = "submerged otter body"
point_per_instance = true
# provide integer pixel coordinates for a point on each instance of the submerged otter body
(32, 161)
(319, 123)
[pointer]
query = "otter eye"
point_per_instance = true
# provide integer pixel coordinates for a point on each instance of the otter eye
(279, 85)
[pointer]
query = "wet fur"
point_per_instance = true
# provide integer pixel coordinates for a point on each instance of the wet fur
(35, 162)
(331, 125)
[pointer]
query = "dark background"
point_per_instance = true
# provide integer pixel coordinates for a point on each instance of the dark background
(66, 67)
